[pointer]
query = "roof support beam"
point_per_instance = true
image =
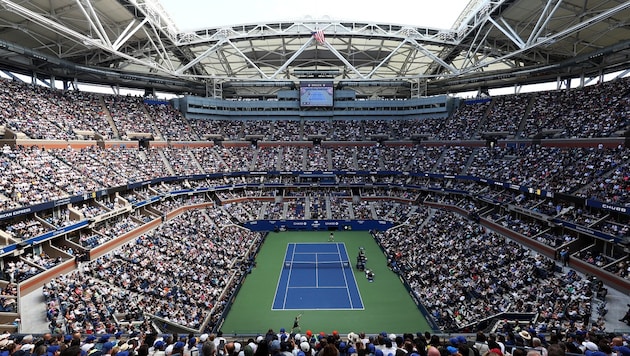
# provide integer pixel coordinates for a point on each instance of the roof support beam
(159, 46)
(622, 74)
(390, 55)
(94, 21)
(249, 61)
(225, 63)
(543, 20)
(472, 53)
(199, 58)
(433, 57)
(127, 33)
(292, 58)
(76, 36)
(508, 32)
(550, 39)
(343, 60)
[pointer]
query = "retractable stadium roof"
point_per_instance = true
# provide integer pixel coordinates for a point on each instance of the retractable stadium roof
(493, 43)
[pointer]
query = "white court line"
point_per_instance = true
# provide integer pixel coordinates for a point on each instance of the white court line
(278, 283)
(343, 270)
(316, 272)
(286, 292)
(332, 287)
(345, 280)
(354, 278)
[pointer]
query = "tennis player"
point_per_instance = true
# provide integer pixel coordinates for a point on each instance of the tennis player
(296, 324)
(331, 237)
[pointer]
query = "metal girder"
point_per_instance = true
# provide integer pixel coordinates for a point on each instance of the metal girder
(93, 20)
(344, 60)
(157, 16)
(543, 20)
(199, 58)
(491, 37)
(391, 53)
(533, 42)
(249, 61)
(292, 58)
(102, 42)
(235, 34)
(399, 35)
(508, 32)
(435, 58)
(305, 28)
(127, 33)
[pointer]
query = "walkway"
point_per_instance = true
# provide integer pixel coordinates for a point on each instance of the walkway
(33, 313)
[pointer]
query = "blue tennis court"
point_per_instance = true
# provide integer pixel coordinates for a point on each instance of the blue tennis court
(316, 276)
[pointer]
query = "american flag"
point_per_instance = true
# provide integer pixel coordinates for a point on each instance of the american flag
(319, 36)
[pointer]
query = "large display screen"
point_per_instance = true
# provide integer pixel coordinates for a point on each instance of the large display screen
(316, 94)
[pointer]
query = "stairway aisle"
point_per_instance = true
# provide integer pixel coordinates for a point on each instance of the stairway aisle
(33, 313)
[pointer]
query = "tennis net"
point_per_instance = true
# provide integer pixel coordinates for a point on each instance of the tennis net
(314, 265)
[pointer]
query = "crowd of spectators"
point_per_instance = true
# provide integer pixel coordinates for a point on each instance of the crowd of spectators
(245, 210)
(316, 128)
(268, 158)
(294, 159)
(21, 185)
(171, 122)
(513, 340)
(35, 175)
(44, 113)
(347, 208)
(17, 270)
(310, 203)
(562, 170)
(130, 116)
(92, 210)
(24, 229)
(180, 272)
(317, 204)
(481, 274)
(462, 125)
(449, 158)
(286, 130)
(76, 302)
(321, 206)
(8, 298)
(115, 227)
(506, 114)
(368, 158)
(317, 159)
(602, 110)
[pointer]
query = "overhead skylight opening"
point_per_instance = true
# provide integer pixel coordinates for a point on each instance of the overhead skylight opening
(198, 14)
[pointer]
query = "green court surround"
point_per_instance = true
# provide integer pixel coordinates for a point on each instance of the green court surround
(388, 305)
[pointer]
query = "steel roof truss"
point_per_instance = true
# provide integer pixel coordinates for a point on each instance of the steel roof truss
(477, 44)
(199, 58)
(159, 47)
(292, 58)
(74, 35)
(478, 18)
(157, 16)
(127, 33)
(435, 58)
(249, 61)
(562, 34)
(343, 59)
(543, 20)
(507, 31)
(93, 20)
(391, 53)
(225, 63)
